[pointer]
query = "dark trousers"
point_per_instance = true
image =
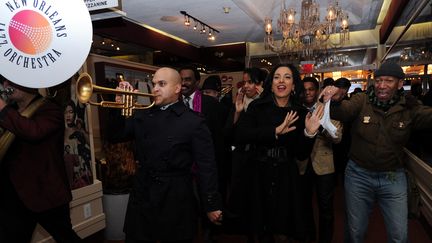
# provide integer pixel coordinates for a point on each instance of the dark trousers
(324, 187)
(18, 223)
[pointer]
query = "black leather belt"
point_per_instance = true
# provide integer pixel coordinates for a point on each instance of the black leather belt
(157, 175)
(277, 152)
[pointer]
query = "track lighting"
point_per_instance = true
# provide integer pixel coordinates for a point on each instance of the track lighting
(204, 28)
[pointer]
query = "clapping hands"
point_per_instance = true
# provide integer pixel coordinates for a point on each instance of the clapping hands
(286, 127)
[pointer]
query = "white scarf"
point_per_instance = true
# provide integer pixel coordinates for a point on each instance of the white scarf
(326, 122)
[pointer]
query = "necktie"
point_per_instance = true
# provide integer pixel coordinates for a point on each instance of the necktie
(186, 101)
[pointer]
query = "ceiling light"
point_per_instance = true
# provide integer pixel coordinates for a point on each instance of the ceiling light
(187, 21)
(204, 27)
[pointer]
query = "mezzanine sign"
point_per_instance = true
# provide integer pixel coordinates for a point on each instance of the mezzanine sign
(100, 4)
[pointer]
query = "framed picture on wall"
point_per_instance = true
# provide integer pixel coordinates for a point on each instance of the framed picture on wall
(77, 143)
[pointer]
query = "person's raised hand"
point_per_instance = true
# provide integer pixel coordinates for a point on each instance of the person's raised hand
(239, 102)
(123, 86)
(312, 121)
(285, 126)
(327, 93)
(259, 89)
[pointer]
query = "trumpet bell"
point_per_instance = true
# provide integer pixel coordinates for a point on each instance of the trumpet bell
(84, 88)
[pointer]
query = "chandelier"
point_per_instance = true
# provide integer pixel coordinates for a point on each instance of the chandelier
(408, 54)
(332, 60)
(309, 34)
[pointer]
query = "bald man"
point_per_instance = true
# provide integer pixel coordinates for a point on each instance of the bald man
(169, 137)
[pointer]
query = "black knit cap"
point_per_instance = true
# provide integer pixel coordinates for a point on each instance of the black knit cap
(212, 82)
(389, 68)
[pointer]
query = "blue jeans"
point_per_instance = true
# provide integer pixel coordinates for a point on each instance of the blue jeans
(389, 189)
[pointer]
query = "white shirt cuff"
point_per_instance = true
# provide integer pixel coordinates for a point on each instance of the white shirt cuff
(309, 135)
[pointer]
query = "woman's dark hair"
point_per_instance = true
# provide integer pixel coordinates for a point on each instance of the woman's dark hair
(297, 82)
(342, 83)
(328, 82)
(72, 104)
(256, 75)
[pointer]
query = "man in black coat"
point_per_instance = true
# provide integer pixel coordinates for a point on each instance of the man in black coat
(169, 138)
(209, 108)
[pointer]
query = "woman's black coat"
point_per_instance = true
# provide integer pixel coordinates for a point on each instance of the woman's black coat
(277, 199)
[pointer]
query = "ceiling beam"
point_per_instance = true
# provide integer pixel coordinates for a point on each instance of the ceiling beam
(394, 12)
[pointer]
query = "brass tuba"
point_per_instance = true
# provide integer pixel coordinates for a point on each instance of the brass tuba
(85, 88)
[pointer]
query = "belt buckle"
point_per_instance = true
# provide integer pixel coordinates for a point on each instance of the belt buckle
(273, 153)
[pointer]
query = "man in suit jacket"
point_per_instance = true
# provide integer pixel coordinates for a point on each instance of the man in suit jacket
(202, 104)
(169, 137)
(320, 169)
(33, 180)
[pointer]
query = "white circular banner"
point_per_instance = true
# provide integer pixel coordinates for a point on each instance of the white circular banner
(43, 42)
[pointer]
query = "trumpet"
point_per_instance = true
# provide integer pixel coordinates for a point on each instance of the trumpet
(85, 88)
(7, 91)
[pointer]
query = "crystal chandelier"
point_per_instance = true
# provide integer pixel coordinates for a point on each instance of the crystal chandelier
(309, 34)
